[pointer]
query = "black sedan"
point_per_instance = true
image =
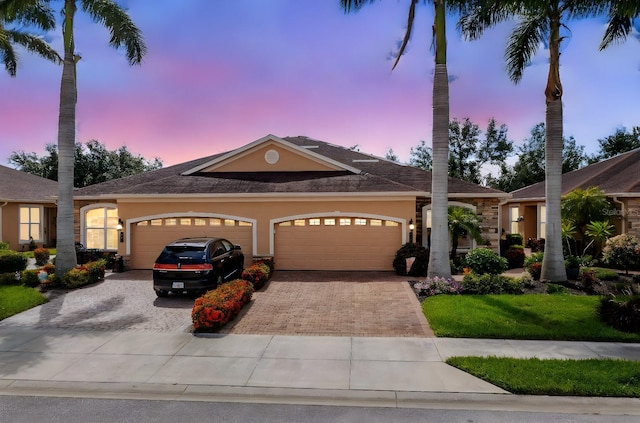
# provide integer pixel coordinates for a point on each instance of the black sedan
(196, 265)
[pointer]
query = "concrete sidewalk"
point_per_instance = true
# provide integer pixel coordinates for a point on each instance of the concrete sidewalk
(386, 372)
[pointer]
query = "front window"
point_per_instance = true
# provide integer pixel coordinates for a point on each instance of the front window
(514, 219)
(30, 223)
(101, 228)
(542, 230)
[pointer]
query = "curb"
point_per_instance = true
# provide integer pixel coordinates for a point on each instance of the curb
(326, 397)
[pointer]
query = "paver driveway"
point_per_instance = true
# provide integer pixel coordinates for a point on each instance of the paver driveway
(333, 303)
(292, 303)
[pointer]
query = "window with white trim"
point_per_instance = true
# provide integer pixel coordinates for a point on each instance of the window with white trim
(542, 217)
(514, 219)
(101, 228)
(31, 223)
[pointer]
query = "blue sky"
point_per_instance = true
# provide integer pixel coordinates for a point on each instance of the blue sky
(220, 74)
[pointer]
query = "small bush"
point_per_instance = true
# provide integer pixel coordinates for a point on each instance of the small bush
(622, 251)
(30, 278)
(553, 288)
(41, 255)
(515, 257)
(436, 286)
(483, 260)
(50, 268)
(217, 307)
(4, 245)
(622, 315)
(419, 267)
(533, 265)
(8, 279)
(491, 284)
(258, 273)
(12, 261)
(606, 274)
(513, 239)
(76, 277)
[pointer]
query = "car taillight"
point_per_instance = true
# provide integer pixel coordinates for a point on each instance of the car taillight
(202, 267)
(158, 266)
(184, 267)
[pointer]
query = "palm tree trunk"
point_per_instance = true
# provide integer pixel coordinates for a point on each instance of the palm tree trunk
(439, 257)
(553, 269)
(65, 247)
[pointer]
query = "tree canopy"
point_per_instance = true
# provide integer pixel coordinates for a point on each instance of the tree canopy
(93, 163)
(620, 142)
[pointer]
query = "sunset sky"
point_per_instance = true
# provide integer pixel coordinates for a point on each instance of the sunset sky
(220, 74)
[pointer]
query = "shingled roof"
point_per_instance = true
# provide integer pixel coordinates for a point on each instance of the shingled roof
(21, 186)
(376, 175)
(617, 176)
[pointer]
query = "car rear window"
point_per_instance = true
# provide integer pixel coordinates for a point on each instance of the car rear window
(181, 254)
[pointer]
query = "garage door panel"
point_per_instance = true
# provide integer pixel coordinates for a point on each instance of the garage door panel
(148, 240)
(336, 247)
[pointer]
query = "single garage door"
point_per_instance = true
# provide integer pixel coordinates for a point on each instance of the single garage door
(337, 243)
(150, 236)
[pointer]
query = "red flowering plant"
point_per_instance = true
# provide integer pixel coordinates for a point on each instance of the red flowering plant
(217, 307)
(258, 273)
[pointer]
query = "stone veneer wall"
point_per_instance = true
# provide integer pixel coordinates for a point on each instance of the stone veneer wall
(487, 210)
(633, 216)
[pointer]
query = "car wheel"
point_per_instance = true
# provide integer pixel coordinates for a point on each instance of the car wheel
(161, 293)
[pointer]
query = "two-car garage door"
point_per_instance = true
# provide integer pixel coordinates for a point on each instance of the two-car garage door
(150, 236)
(336, 243)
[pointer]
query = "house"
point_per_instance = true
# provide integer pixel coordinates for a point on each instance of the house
(27, 209)
(618, 177)
(308, 204)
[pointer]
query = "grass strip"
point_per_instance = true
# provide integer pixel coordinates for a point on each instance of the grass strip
(529, 316)
(15, 299)
(592, 377)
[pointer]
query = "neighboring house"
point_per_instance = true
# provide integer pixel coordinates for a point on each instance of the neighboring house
(308, 204)
(27, 209)
(618, 177)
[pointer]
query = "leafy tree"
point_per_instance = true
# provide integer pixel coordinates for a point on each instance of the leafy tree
(620, 142)
(582, 206)
(530, 166)
(540, 23)
(15, 17)
(462, 221)
(421, 156)
(469, 152)
(123, 34)
(438, 258)
(391, 155)
(93, 163)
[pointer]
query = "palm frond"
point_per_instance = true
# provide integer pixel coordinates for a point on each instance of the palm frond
(478, 16)
(407, 35)
(618, 28)
(8, 54)
(29, 12)
(35, 44)
(124, 32)
(354, 5)
(524, 42)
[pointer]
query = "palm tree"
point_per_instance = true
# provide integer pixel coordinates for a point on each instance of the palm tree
(540, 22)
(599, 232)
(125, 34)
(462, 221)
(24, 13)
(438, 257)
(582, 206)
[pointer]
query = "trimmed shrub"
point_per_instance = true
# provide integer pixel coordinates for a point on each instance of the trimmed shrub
(553, 288)
(30, 278)
(436, 286)
(515, 256)
(483, 260)
(4, 245)
(85, 274)
(217, 307)
(606, 274)
(258, 273)
(491, 284)
(41, 255)
(622, 315)
(50, 268)
(513, 239)
(8, 279)
(12, 261)
(622, 251)
(268, 262)
(419, 266)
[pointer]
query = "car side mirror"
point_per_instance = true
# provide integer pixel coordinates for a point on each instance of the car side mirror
(237, 247)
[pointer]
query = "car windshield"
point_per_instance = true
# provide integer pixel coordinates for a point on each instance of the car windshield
(181, 253)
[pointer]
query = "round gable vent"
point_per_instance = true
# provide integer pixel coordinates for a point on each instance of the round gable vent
(271, 156)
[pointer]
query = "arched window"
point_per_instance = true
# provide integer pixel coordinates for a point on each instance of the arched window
(100, 227)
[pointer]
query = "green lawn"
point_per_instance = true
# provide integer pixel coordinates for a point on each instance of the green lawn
(529, 316)
(536, 316)
(16, 298)
(593, 377)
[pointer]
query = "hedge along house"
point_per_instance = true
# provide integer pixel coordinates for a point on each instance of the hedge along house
(308, 204)
(27, 209)
(618, 177)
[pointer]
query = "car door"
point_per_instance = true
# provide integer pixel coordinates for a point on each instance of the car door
(220, 258)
